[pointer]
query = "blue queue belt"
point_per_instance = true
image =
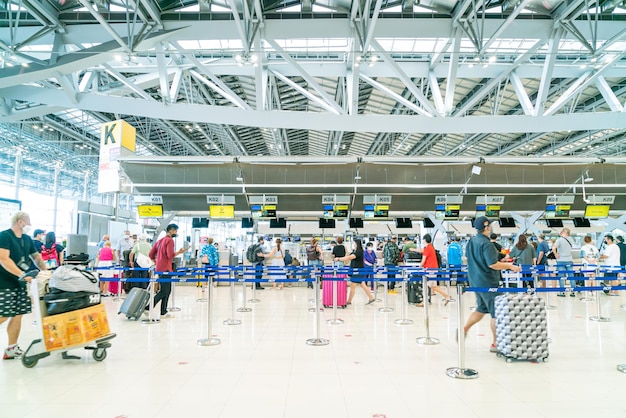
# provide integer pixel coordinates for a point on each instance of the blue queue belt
(300, 274)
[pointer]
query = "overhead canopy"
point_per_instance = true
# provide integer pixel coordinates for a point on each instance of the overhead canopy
(300, 183)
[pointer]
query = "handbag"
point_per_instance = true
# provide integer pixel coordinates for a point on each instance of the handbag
(144, 261)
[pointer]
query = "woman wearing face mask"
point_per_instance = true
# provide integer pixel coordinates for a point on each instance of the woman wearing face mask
(356, 261)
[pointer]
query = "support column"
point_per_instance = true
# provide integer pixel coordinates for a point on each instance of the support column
(17, 178)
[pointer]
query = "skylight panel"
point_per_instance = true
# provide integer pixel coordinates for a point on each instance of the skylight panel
(218, 8)
(192, 8)
(297, 8)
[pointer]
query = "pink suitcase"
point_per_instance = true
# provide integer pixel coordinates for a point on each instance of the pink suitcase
(114, 287)
(327, 291)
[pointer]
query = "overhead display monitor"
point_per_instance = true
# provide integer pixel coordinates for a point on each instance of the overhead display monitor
(507, 222)
(247, 223)
(326, 223)
(200, 223)
(597, 211)
(404, 223)
(356, 223)
(447, 212)
(557, 212)
(428, 223)
(278, 223)
(340, 211)
(490, 211)
(329, 211)
(582, 223)
(263, 211)
(221, 211)
(150, 211)
(554, 223)
(376, 211)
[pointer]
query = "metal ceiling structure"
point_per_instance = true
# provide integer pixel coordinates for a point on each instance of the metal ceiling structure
(322, 78)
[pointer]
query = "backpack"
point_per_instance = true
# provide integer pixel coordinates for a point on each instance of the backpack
(287, 258)
(439, 261)
(391, 253)
(251, 253)
(311, 253)
(50, 256)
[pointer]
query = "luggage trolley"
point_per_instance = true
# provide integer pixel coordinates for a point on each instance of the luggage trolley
(87, 327)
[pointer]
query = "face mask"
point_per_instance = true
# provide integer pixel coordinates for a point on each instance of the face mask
(174, 235)
(26, 229)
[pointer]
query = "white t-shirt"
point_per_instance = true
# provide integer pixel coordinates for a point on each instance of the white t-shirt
(612, 255)
(589, 253)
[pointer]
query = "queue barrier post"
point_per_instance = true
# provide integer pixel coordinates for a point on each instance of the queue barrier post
(174, 308)
(461, 372)
(253, 298)
(316, 340)
(244, 308)
(151, 319)
(232, 320)
(334, 320)
(404, 320)
(427, 340)
(210, 340)
(386, 308)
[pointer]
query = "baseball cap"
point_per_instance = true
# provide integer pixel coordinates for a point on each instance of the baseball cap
(481, 222)
(38, 231)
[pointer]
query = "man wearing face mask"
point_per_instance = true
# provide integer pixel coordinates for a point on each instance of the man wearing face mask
(16, 255)
(38, 237)
(163, 256)
(124, 247)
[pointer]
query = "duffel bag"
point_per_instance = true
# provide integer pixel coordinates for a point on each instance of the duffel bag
(60, 302)
(74, 279)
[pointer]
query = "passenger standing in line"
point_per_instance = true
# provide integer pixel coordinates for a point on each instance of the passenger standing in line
(541, 258)
(38, 237)
(483, 270)
(589, 254)
(124, 247)
(356, 262)
(611, 259)
(208, 254)
(258, 266)
(104, 239)
(455, 252)
(429, 260)
(277, 259)
(391, 252)
(314, 256)
(105, 259)
(564, 261)
(622, 250)
(17, 253)
(523, 254)
(369, 259)
(142, 246)
(50, 246)
(162, 253)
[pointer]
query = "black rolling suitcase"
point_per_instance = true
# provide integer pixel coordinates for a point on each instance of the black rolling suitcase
(135, 303)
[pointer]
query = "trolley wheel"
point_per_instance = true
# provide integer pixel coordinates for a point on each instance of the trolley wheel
(545, 359)
(29, 362)
(99, 354)
(499, 354)
(509, 360)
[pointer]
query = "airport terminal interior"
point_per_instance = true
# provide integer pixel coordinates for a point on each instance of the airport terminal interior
(367, 120)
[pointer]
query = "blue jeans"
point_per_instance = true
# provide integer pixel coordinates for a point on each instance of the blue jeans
(392, 283)
(258, 274)
(318, 265)
(562, 265)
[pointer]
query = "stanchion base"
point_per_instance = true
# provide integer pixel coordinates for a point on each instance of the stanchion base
(150, 321)
(116, 299)
(317, 341)
(621, 368)
(232, 322)
(451, 300)
(202, 300)
(599, 319)
(587, 299)
(209, 341)
(385, 309)
(427, 340)
(403, 321)
(334, 321)
(244, 309)
(174, 309)
(254, 300)
(465, 374)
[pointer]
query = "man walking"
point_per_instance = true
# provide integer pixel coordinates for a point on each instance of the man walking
(483, 270)
(391, 253)
(16, 252)
(163, 256)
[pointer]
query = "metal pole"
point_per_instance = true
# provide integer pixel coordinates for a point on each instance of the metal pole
(208, 272)
(599, 317)
(335, 320)
(404, 320)
(386, 308)
(548, 305)
(253, 299)
(232, 320)
(120, 275)
(55, 207)
(427, 340)
(151, 319)
(316, 292)
(209, 340)
(316, 340)
(173, 308)
(244, 308)
(461, 372)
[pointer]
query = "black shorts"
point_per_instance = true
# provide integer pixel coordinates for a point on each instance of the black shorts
(14, 302)
(486, 303)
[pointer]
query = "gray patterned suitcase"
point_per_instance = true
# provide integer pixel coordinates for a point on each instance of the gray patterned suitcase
(135, 303)
(521, 327)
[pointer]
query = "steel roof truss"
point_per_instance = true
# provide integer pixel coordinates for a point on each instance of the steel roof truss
(609, 96)
(522, 95)
(548, 69)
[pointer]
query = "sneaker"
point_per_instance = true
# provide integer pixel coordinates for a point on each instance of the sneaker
(12, 352)
(493, 348)
(166, 316)
(572, 294)
(561, 295)
(260, 288)
(446, 301)
(371, 301)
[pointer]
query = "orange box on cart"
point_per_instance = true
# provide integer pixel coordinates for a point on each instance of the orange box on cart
(75, 328)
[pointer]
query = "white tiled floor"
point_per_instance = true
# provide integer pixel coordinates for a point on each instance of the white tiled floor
(371, 368)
